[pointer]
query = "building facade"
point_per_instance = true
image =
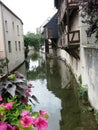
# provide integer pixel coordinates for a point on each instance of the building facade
(11, 37)
(51, 34)
(69, 33)
(80, 51)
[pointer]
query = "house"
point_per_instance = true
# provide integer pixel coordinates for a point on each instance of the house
(69, 33)
(80, 51)
(11, 37)
(51, 34)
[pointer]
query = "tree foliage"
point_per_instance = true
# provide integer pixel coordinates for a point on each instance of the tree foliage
(35, 40)
(90, 15)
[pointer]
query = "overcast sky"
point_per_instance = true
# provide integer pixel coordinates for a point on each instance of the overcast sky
(33, 13)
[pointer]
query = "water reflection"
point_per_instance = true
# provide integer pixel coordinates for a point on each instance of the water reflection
(55, 90)
(33, 65)
(68, 99)
(48, 102)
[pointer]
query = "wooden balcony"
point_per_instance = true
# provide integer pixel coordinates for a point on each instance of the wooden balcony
(66, 4)
(74, 37)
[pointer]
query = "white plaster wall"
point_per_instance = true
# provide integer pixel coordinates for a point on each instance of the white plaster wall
(91, 58)
(89, 64)
(15, 57)
(89, 67)
(71, 61)
(83, 42)
(2, 49)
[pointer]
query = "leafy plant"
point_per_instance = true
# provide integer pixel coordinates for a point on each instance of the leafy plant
(36, 40)
(15, 112)
(16, 84)
(4, 62)
(1, 71)
(96, 115)
(35, 56)
(83, 92)
(80, 79)
(14, 115)
(90, 13)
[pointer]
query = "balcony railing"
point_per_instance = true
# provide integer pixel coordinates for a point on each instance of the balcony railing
(74, 37)
(73, 1)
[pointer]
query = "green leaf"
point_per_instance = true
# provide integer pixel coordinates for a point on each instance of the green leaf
(35, 114)
(21, 128)
(11, 77)
(2, 110)
(45, 116)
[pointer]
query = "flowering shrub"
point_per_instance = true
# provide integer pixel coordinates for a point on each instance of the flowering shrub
(16, 116)
(15, 112)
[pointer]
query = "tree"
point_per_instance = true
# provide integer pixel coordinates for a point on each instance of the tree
(31, 39)
(90, 13)
(35, 40)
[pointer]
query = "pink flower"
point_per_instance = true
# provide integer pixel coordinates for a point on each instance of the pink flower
(15, 128)
(25, 113)
(41, 123)
(1, 98)
(9, 105)
(2, 104)
(26, 121)
(25, 100)
(28, 92)
(9, 127)
(43, 112)
(3, 125)
(29, 85)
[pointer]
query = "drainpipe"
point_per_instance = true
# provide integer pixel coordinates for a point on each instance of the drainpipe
(67, 13)
(4, 34)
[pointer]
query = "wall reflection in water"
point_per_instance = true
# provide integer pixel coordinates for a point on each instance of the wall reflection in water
(59, 82)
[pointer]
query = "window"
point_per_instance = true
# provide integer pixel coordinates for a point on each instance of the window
(17, 30)
(6, 26)
(19, 46)
(9, 46)
(13, 25)
(16, 45)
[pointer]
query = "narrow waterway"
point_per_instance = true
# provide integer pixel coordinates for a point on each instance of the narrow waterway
(55, 88)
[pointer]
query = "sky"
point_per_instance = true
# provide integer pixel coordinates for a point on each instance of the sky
(33, 13)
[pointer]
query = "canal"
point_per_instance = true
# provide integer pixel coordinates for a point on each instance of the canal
(56, 90)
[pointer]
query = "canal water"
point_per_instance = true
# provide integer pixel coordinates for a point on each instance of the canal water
(56, 90)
